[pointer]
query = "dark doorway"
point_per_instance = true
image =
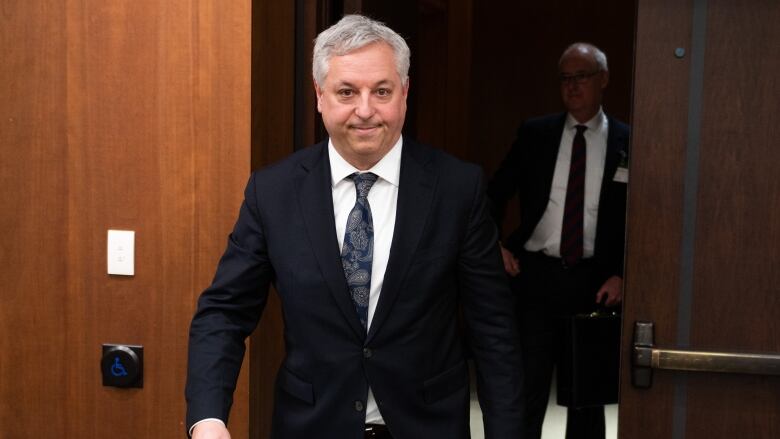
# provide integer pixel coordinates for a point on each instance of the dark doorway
(478, 69)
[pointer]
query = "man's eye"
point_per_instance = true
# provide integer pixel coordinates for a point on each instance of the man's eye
(383, 92)
(345, 92)
(579, 77)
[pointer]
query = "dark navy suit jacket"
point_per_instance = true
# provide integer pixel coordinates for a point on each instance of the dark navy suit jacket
(444, 252)
(528, 172)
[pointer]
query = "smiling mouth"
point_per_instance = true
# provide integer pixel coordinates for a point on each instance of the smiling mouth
(364, 128)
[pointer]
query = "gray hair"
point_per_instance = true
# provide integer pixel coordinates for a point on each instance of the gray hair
(354, 32)
(590, 49)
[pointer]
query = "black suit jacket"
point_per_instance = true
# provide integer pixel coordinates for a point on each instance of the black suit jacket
(444, 250)
(528, 172)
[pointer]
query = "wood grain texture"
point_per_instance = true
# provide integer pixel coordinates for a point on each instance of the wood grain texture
(655, 210)
(273, 81)
(273, 97)
(144, 126)
(737, 284)
(735, 294)
(311, 16)
(34, 219)
(441, 81)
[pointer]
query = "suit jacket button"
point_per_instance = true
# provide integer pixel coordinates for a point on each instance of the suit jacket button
(358, 406)
(367, 353)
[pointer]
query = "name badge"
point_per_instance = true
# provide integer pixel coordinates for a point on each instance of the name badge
(621, 175)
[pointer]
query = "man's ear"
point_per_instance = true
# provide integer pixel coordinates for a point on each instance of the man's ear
(604, 79)
(318, 92)
(406, 88)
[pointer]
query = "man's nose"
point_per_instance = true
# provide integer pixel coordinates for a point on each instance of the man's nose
(570, 84)
(365, 107)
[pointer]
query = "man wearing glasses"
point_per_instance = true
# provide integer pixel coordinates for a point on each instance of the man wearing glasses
(569, 171)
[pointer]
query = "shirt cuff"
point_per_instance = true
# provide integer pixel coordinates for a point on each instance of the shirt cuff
(205, 420)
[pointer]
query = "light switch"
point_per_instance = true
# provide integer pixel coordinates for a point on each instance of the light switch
(121, 252)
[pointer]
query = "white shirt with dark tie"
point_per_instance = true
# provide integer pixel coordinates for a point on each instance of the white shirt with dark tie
(383, 200)
(546, 237)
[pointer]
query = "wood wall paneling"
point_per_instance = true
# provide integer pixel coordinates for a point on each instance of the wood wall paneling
(33, 218)
(273, 81)
(273, 138)
(426, 119)
(309, 16)
(460, 86)
(140, 110)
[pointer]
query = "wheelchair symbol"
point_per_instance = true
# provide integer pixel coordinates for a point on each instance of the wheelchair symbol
(118, 369)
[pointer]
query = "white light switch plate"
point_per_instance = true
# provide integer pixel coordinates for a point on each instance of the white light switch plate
(121, 252)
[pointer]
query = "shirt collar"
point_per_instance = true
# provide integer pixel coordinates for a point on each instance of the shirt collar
(388, 168)
(593, 124)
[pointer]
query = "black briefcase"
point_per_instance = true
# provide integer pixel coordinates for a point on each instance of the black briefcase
(589, 360)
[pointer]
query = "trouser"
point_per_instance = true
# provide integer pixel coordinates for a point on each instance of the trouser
(547, 291)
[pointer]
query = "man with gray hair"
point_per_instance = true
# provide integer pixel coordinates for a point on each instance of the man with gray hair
(372, 242)
(569, 171)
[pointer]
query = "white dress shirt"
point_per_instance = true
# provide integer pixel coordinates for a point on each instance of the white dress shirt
(546, 237)
(383, 200)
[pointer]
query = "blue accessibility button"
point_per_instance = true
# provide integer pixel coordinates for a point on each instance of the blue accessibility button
(118, 369)
(122, 365)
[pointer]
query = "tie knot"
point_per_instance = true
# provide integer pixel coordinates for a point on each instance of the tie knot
(580, 128)
(363, 183)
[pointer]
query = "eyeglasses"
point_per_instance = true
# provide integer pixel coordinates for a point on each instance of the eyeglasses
(577, 78)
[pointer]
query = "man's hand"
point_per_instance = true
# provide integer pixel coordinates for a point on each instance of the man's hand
(613, 290)
(210, 430)
(511, 264)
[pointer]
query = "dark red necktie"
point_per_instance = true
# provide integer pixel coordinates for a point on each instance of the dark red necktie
(573, 211)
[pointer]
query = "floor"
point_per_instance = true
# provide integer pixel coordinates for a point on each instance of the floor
(554, 421)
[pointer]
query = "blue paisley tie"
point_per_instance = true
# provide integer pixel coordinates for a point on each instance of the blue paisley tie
(358, 250)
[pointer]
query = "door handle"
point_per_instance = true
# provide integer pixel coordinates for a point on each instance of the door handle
(646, 357)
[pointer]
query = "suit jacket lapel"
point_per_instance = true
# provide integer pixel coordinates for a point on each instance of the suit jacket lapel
(415, 191)
(316, 204)
(550, 147)
(615, 152)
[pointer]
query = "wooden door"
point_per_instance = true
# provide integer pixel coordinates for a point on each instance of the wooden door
(703, 254)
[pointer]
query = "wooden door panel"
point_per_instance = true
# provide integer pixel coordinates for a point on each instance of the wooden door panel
(738, 218)
(704, 205)
(655, 218)
(736, 293)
